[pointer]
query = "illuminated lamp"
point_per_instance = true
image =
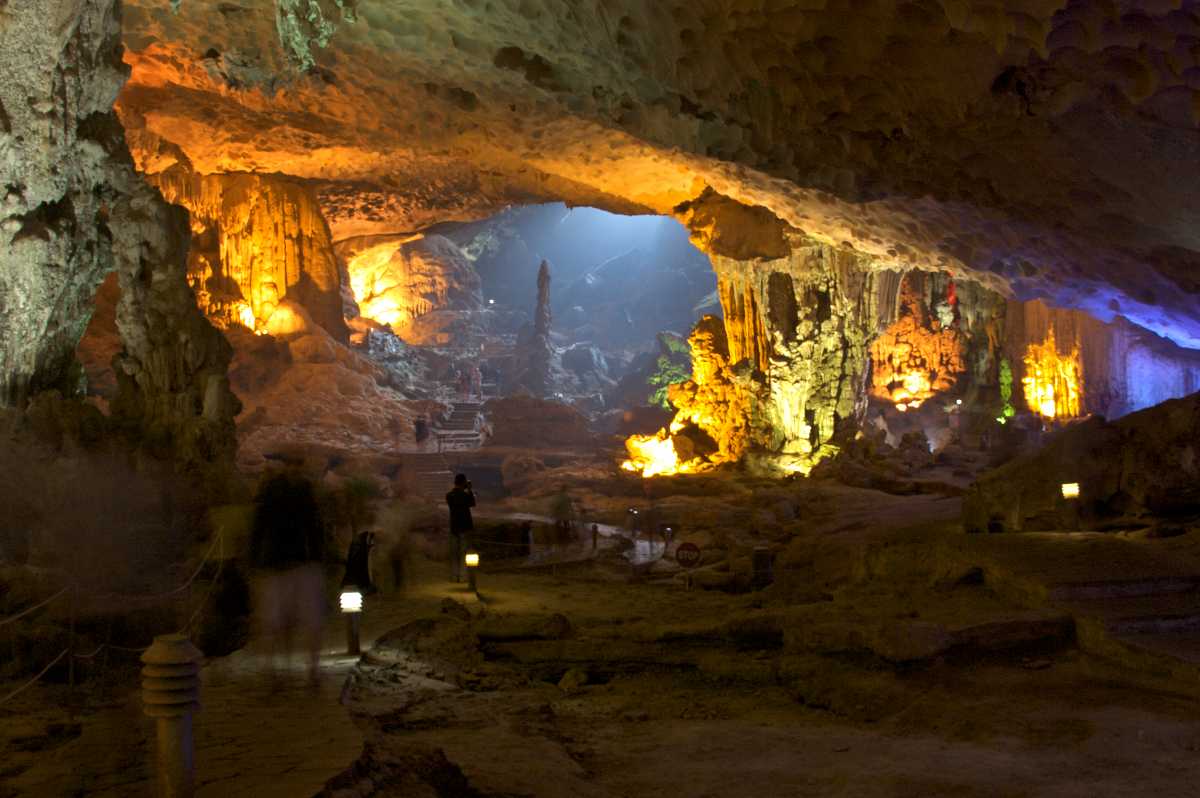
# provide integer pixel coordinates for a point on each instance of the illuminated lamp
(471, 560)
(351, 603)
(1070, 490)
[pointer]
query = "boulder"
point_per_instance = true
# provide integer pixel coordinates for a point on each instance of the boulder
(1143, 467)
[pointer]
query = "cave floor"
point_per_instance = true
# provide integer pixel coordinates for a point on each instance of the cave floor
(658, 689)
(893, 656)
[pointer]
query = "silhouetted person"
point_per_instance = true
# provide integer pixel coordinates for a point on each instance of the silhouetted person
(460, 500)
(287, 547)
(421, 430)
(358, 563)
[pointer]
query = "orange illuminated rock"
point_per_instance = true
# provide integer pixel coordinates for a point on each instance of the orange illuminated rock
(917, 356)
(713, 400)
(400, 279)
(1052, 380)
(256, 239)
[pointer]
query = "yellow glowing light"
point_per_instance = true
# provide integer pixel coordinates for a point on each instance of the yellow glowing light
(351, 601)
(246, 315)
(1070, 490)
(652, 455)
(374, 283)
(471, 559)
(1052, 380)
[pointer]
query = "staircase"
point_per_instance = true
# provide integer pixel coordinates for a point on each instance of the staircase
(427, 473)
(461, 430)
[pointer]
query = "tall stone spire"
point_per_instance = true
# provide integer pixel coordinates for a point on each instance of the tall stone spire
(541, 321)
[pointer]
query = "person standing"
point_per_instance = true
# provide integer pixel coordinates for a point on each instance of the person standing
(287, 549)
(460, 500)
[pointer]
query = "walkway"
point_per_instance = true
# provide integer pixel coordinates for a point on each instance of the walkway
(643, 552)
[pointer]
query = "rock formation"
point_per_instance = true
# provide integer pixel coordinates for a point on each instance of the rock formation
(1155, 480)
(536, 355)
(256, 240)
(412, 283)
(74, 210)
(921, 353)
(1033, 149)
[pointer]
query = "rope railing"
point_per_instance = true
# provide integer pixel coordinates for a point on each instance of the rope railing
(34, 680)
(216, 546)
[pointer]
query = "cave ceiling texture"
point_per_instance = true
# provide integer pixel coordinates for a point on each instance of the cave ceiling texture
(1044, 148)
(816, 149)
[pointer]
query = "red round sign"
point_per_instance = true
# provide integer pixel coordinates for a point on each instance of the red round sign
(687, 555)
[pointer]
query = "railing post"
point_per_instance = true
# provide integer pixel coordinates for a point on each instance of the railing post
(171, 695)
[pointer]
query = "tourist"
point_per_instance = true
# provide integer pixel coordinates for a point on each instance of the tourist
(358, 564)
(477, 382)
(460, 500)
(287, 548)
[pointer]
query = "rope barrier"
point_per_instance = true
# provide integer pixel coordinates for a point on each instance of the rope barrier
(211, 587)
(157, 596)
(217, 544)
(37, 606)
(34, 680)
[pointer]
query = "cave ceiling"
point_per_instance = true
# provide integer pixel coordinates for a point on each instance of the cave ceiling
(1044, 148)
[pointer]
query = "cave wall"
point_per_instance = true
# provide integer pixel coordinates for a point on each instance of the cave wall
(59, 75)
(74, 209)
(401, 280)
(1123, 367)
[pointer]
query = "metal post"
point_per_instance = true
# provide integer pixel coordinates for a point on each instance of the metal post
(353, 644)
(171, 695)
(471, 580)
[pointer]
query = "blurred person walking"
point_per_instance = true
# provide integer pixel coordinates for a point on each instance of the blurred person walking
(287, 549)
(460, 500)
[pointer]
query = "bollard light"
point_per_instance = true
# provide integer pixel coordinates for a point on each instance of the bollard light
(1070, 490)
(351, 602)
(471, 560)
(171, 695)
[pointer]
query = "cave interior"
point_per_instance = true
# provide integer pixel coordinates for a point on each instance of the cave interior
(826, 376)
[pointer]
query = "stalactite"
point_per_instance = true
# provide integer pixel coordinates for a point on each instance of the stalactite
(266, 240)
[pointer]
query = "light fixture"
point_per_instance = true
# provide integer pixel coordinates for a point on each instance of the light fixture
(1070, 490)
(958, 401)
(491, 301)
(351, 603)
(471, 560)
